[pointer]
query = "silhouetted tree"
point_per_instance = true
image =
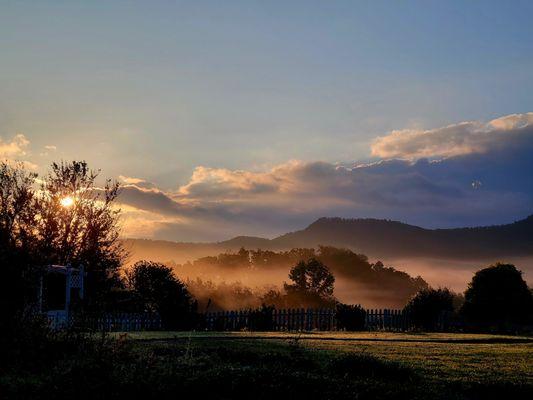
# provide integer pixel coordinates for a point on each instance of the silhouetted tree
(311, 277)
(17, 246)
(158, 290)
(39, 227)
(498, 298)
(428, 305)
(312, 283)
(382, 284)
(83, 231)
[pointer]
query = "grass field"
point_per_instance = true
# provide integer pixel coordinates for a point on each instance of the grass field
(442, 356)
(279, 365)
(439, 359)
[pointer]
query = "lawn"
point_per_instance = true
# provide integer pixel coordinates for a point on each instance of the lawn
(280, 365)
(442, 356)
(438, 358)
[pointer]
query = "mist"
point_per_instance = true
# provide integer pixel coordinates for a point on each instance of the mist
(236, 280)
(456, 274)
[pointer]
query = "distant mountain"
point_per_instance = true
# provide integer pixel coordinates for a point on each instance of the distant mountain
(373, 237)
(381, 238)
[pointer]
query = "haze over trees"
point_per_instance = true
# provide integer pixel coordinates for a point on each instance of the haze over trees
(311, 278)
(257, 275)
(65, 217)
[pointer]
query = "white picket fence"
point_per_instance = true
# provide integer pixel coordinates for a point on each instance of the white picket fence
(123, 322)
(300, 319)
(292, 319)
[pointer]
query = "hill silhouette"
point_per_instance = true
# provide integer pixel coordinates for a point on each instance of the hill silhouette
(375, 237)
(384, 238)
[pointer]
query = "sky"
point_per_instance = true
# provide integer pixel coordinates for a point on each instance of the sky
(255, 118)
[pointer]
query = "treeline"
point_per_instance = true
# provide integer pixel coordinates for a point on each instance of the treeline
(65, 218)
(153, 287)
(363, 281)
(497, 299)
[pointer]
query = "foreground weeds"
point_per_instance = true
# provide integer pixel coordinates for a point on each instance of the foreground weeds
(97, 367)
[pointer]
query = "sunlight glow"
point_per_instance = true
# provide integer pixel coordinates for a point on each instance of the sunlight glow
(67, 201)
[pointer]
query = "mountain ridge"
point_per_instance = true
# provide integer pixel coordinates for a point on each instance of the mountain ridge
(373, 237)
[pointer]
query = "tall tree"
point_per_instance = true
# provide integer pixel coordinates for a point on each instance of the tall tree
(17, 242)
(498, 298)
(79, 223)
(67, 219)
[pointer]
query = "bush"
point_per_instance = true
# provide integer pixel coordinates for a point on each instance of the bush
(428, 306)
(262, 319)
(350, 317)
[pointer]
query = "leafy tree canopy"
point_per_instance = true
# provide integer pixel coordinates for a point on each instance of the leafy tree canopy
(498, 297)
(428, 305)
(158, 290)
(311, 277)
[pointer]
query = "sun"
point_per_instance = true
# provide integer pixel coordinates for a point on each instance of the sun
(67, 201)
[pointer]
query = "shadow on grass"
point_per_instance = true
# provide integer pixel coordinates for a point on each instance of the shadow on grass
(221, 369)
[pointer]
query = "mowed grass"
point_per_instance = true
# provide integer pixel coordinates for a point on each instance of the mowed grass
(244, 365)
(348, 336)
(491, 360)
(441, 358)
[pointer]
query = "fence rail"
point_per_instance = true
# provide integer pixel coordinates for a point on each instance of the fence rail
(303, 320)
(387, 319)
(124, 322)
(293, 319)
(277, 320)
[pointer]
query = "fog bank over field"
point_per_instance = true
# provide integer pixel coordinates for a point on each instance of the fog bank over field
(443, 257)
(250, 275)
(231, 289)
(456, 274)
(437, 272)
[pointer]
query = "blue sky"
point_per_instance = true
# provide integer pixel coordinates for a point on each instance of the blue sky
(155, 90)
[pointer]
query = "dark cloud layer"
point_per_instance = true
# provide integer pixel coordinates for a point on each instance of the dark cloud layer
(483, 176)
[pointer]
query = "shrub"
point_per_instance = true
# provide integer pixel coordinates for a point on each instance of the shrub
(350, 317)
(261, 319)
(428, 305)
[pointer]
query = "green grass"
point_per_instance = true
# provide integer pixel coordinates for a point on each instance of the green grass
(348, 336)
(440, 357)
(279, 365)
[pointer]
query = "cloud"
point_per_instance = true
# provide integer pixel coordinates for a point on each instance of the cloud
(138, 182)
(452, 140)
(15, 148)
(487, 181)
(130, 180)
(212, 182)
(48, 148)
